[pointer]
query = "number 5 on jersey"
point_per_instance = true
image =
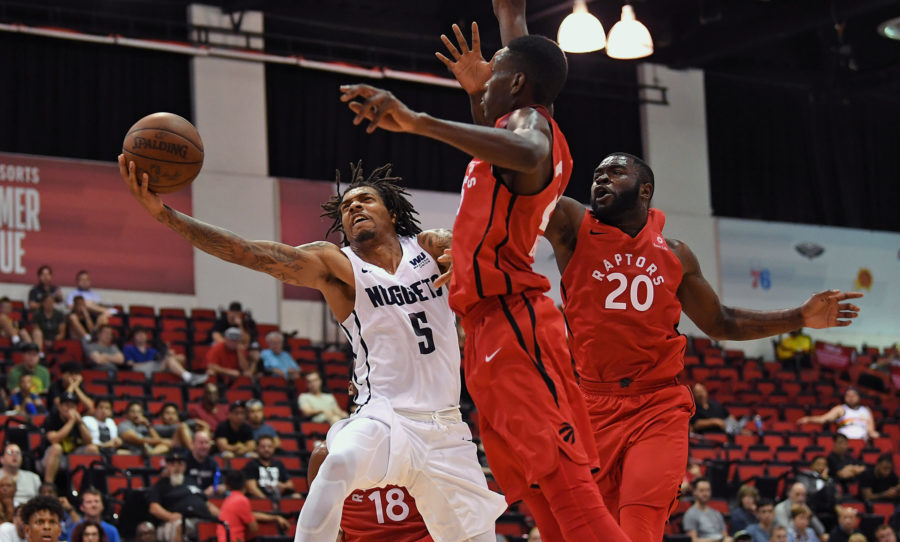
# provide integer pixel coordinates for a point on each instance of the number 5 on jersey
(421, 329)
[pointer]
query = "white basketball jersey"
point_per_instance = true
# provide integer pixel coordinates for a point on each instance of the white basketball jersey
(403, 333)
(855, 422)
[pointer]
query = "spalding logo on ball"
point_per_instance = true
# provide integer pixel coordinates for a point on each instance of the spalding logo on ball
(167, 148)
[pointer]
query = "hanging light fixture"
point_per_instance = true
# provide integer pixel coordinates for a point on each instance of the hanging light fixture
(629, 38)
(581, 32)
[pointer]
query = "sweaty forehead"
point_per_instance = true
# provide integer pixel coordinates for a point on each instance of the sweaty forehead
(614, 160)
(354, 193)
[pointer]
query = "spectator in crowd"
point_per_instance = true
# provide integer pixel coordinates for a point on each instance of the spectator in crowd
(237, 318)
(880, 483)
(7, 495)
(793, 350)
(853, 420)
(43, 289)
(843, 466)
(779, 534)
(254, 360)
(69, 381)
(81, 322)
(171, 427)
(691, 473)
(820, 488)
(148, 360)
(24, 400)
(15, 531)
(31, 364)
(799, 529)
(267, 477)
(91, 298)
(257, 422)
(318, 406)
(88, 531)
(27, 483)
(104, 353)
(710, 416)
(92, 508)
(885, 533)
(175, 496)
(745, 512)
(201, 466)
(71, 516)
(42, 518)
(228, 357)
(784, 509)
(857, 537)
(208, 411)
(236, 511)
(234, 437)
(65, 432)
(763, 530)
(276, 360)
(145, 532)
(847, 522)
(9, 324)
(742, 536)
(48, 324)
(702, 522)
(138, 435)
(102, 427)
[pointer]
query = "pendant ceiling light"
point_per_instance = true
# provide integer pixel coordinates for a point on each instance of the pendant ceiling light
(581, 32)
(628, 38)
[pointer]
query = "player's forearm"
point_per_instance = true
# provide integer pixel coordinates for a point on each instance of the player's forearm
(743, 324)
(512, 20)
(502, 148)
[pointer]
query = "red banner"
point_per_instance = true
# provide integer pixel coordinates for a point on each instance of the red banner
(833, 355)
(75, 215)
(301, 222)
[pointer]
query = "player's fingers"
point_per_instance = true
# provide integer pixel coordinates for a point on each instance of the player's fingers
(460, 39)
(123, 169)
(849, 307)
(378, 114)
(476, 38)
(446, 61)
(145, 185)
(444, 278)
(352, 91)
(369, 109)
(454, 52)
(850, 295)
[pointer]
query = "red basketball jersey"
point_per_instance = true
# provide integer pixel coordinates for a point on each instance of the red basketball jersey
(620, 301)
(496, 232)
(383, 514)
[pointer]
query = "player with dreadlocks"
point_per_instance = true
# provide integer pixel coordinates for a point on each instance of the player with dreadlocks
(383, 288)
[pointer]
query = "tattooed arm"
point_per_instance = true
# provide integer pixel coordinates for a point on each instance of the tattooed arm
(702, 305)
(313, 265)
(437, 244)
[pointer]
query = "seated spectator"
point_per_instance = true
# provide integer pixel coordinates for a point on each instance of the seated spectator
(890, 358)
(779, 534)
(145, 532)
(70, 518)
(318, 406)
(7, 495)
(146, 359)
(763, 530)
(103, 430)
(171, 427)
(138, 435)
(256, 420)
(254, 360)
(234, 317)
(745, 512)
(742, 536)
(228, 357)
(24, 400)
(69, 381)
(88, 531)
(880, 483)
(710, 416)
(13, 532)
(847, 522)
(91, 298)
(276, 360)
(27, 483)
(856, 537)
(105, 354)
(92, 508)
(799, 529)
(66, 433)
(853, 420)
(267, 477)
(175, 496)
(44, 289)
(202, 467)
(793, 350)
(702, 522)
(841, 464)
(81, 323)
(784, 509)
(234, 437)
(820, 488)
(9, 325)
(236, 511)
(48, 324)
(885, 533)
(208, 412)
(31, 364)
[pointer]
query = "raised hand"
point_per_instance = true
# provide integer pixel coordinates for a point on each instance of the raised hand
(468, 65)
(380, 107)
(140, 189)
(825, 309)
(446, 259)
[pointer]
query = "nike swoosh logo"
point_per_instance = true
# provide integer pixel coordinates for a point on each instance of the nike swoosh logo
(364, 270)
(488, 359)
(597, 232)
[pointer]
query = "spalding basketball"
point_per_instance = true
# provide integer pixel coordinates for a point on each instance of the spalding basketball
(167, 148)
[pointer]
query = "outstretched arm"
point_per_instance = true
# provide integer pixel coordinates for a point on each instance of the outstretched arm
(511, 16)
(310, 265)
(702, 305)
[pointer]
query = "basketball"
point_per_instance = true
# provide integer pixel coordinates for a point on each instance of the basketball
(167, 148)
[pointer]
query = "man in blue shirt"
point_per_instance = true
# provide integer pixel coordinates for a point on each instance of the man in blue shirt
(148, 360)
(92, 507)
(276, 360)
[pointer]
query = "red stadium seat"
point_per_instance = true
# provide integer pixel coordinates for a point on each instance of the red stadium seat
(203, 314)
(292, 505)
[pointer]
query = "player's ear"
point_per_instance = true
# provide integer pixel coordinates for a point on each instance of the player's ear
(518, 83)
(646, 191)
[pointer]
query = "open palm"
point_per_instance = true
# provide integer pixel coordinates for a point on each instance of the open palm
(468, 65)
(825, 309)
